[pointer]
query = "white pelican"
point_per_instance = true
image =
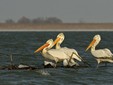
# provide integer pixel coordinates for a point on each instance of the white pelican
(101, 55)
(72, 53)
(51, 54)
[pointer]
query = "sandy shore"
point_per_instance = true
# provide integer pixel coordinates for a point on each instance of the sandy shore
(58, 27)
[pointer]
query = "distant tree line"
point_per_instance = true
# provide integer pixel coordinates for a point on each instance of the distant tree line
(25, 20)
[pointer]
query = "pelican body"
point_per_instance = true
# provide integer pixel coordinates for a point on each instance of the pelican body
(51, 54)
(67, 51)
(101, 55)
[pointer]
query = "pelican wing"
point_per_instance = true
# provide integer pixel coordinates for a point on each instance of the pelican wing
(57, 54)
(108, 52)
(69, 52)
(102, 53)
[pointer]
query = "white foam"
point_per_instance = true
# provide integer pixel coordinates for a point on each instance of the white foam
(43, 72)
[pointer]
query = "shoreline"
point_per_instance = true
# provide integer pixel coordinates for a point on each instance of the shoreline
(38, 30)
(58, 27)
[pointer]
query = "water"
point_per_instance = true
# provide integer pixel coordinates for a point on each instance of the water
(23, 44)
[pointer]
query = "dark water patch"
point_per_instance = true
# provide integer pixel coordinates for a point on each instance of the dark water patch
(23, 44)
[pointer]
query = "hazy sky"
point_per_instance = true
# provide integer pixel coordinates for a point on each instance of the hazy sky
(66, 10)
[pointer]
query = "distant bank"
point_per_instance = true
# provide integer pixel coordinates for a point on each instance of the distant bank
(58, 27)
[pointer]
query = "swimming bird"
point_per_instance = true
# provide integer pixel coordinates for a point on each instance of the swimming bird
(51, 54)
(71, 53)
(101, 55)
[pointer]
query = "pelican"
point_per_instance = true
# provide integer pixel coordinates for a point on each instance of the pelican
(71, 53)
(51, 54)
(101, 55)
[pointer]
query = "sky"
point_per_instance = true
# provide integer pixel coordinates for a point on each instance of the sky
(67, 10)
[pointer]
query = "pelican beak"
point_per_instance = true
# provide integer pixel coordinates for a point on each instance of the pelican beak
(42, 47)
(93, 41)
(57, 39)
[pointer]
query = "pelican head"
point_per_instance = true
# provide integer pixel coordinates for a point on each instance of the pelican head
(48, 44)
(95, 41)
(59, 39)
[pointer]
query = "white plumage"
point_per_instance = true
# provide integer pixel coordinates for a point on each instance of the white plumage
(51, 54)
(67, 51)
(101, 55)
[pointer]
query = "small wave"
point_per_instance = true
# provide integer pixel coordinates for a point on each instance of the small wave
(43, 72)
